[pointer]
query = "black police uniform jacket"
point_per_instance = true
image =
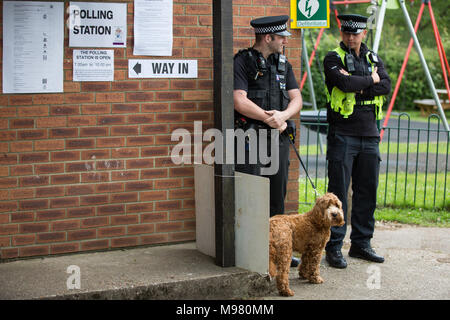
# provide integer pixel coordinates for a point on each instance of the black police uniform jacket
(362, 121)
(266, 81)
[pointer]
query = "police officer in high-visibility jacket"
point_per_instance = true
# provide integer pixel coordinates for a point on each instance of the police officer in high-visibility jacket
(356, 86)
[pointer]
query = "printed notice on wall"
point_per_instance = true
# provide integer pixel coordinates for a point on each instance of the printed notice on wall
(93, 65)
(146, 68)
(100, 25)
(153, 32)
(33, 40)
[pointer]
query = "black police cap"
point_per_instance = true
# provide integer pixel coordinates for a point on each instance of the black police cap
(272, 24)
(353, 23)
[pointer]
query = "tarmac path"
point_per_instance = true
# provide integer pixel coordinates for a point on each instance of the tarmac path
(417, 266)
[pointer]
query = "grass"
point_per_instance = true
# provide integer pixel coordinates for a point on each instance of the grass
(399, 206)
(433, 148)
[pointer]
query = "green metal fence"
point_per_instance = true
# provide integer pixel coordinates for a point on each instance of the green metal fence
(414, 167)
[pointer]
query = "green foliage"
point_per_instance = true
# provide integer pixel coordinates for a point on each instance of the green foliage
(393, 46)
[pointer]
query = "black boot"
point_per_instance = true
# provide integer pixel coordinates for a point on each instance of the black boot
(336, 259)
(366, 253)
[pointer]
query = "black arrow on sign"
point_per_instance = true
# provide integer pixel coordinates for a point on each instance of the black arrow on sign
(137, 68)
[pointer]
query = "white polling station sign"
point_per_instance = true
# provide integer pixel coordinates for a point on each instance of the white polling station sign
(100, 25)
(146, 68)
(93, 65)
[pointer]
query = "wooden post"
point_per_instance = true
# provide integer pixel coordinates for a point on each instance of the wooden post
(223, 120)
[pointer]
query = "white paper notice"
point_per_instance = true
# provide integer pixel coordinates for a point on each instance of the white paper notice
(98, 25)
(93, 65)
(33, 40)
(153, 31)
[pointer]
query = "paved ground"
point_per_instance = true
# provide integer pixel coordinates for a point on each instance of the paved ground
(417, 266)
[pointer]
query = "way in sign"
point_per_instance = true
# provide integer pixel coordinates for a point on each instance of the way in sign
(167, 68)
(150, 68)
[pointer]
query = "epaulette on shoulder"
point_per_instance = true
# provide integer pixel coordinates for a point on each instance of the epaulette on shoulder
(241, 52)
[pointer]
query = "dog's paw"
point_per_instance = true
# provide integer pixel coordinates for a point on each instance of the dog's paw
(316, 280)
(287, 293)
(301, 275)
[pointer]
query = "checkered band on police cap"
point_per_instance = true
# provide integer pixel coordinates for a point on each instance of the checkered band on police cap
(271, 29)
(271, 24)
(354, 25)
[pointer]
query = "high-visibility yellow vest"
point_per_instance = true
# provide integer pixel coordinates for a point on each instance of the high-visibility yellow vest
(344, 102)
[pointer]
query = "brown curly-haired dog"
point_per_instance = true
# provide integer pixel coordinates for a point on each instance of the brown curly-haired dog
(305, 233)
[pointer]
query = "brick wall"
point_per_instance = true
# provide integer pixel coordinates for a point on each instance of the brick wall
(90, 168)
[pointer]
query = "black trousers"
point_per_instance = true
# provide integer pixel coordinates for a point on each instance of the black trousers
(278, 180)
(358, 158)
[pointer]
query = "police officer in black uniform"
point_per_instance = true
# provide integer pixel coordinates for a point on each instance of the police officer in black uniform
(266, 95)
(356, 84)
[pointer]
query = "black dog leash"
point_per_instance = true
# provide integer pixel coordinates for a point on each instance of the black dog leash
(290, 130)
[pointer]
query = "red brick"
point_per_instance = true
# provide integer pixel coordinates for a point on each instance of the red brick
(79, 190)
(96, 86)
(96, 109)
(50, 215)
(22, 240)
(80, 212)
(124, 242)
(168, 205)
(125, 175)
(32, 134)
(140, 229)
(124, 197)
(110, 142)
(64, 248)
(65, 155)
(154, 239)
(65, 179)
(139, 163)
(94, 222)
(8, 206)
(33, 204)
(49, 192)
(125, 131)
(34, 227)
(9, 229)
(34, 181)
(141, 118)
(48, 98)
(34, 251)
(64, 202)
(81, 234)
(169, 227)
(110, 97)
(94, 200)
(95, 245)
(139, 96)
(49, 168)
(125, 108)
(34, 157)
(111, 120)
(64, 133)
(80, 143)
(21, 123)
(79, 98)
(65, 225)
(126, 219)
(9, 253)
(125, 153)
(111, 232)
(49, 145)
(95, 154)
(51, 237)
(111, 209)
(138, 186)
(65, 110)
